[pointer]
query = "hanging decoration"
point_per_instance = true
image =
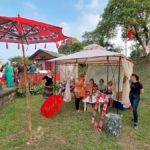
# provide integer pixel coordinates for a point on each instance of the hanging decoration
(6, 45)
(70, 41)
(130, 33)
(57, 45)
(45, 46)
(62, 45)
(18, 46)
(35, 47)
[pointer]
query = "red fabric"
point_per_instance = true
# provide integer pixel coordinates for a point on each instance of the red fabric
(70, 41)
(130, 33)
(35, 78)
(57, 45)
(3, 80)
(51, 106)
(19, 27)
(33, 31)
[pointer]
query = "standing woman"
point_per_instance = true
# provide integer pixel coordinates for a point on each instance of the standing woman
(48, 89)
(9, 75)
(136, 89)
(79, 91)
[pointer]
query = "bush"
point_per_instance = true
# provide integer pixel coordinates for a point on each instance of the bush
(34, 90)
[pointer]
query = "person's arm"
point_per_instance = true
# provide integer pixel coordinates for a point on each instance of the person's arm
(141, 89)
(44, 78)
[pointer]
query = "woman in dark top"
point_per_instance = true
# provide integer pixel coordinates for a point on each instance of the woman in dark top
(136, 89)
(48, 89)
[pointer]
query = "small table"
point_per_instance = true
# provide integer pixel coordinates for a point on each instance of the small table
(92, 101)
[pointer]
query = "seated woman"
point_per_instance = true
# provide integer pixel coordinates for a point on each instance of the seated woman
(92, 87)
(101, 86)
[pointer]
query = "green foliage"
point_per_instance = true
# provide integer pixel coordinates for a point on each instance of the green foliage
(136, 52)
(19, 59)
(55, 87)
(34, 90)
(68, 49)
(21, 91)
(126, 14)
(37, 89)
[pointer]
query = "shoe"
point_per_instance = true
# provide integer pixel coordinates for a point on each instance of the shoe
(135, 126)
(79, 110)
(93, 120)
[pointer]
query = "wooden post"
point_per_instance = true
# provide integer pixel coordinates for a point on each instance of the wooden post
(27, 95)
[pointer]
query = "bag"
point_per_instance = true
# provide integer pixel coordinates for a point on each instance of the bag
(118, 105)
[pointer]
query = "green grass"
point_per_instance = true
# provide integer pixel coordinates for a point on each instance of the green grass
(72, 131)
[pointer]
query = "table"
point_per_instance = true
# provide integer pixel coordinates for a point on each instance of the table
(92, 100)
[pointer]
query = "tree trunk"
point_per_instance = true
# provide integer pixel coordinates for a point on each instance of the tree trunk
(144, 45)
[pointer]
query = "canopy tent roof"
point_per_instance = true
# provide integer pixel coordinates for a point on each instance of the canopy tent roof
(99, 56)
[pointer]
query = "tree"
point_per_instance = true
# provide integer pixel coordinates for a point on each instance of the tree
(137, 51)
(68, 49)
(19, 59)
(126, 14)
(95, 38)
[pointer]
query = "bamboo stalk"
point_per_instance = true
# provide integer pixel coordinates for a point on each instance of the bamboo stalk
(27, 96)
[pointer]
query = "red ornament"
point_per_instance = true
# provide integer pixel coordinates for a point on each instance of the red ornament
(130, 33)
(70, 41)
(19, 27)
(57, 45)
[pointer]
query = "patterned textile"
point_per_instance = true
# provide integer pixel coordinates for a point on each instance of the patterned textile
(48, 91)
(112, 124)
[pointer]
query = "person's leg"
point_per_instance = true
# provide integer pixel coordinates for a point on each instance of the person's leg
(77, 101)
(135, 106)
(131, 100)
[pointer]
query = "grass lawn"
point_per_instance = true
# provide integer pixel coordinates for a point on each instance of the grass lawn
(72, 131)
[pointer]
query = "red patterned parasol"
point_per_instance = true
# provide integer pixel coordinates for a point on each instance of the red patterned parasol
(25, 31)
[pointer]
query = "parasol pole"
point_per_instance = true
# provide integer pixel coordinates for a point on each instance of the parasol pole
(27, 95)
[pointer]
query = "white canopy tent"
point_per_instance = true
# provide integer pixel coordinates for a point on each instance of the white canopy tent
(97, 55)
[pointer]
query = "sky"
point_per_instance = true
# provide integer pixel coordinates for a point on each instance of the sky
(75, 16)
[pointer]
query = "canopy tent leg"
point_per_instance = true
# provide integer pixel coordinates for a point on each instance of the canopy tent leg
(107, 72)
(119, 80)
(28, 103)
